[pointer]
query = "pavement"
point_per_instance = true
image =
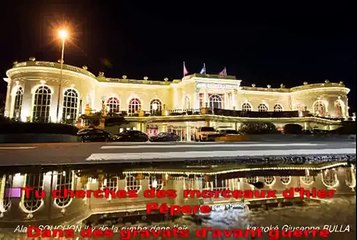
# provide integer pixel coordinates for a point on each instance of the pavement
(127, 153)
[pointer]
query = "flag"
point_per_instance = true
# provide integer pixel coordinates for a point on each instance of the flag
(203, 70)
(223, 73)
(185, 72)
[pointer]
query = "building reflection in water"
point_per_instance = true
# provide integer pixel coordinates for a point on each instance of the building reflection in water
(16, 208)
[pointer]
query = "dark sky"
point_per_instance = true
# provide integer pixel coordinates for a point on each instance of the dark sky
(265, 42)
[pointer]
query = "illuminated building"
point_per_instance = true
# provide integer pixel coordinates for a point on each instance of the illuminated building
(179, 105)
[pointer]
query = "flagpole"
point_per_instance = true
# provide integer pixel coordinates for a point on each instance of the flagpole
(183, 69)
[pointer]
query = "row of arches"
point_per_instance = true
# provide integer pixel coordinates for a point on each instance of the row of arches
(262, 107)
(42, 104)
(216, 102)
(320, 108)
(113, 105)
(70, 105)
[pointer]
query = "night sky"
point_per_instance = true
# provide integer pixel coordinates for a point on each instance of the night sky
(263, 43)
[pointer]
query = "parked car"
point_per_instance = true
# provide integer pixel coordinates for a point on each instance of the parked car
(206, 134)
(226, 132)
(165, 137)
(94, 135)
(230, 135)
(131, 136)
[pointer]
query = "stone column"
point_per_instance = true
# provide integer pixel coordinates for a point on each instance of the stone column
(188, 132)
(225, 101)
(8, 99)
(196, 99)
(205, 97)
(234, 99)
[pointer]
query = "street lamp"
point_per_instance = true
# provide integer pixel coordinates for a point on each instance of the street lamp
(63, 35)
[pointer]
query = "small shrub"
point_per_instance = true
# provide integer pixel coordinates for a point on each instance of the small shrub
(348, 127)
(292, 129)
(21, 127)
(258, 128)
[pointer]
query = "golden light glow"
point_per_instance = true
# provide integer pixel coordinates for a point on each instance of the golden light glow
(63, 34)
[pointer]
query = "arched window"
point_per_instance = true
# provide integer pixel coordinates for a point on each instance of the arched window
(64, 181)
(329, 178)
(350, 178)
(70, 105)
(285, 180)
(262, 108)
(339, 109)
(42, 103)
(252, 180)
(155, 106)
(215, 101)
(269, 180)
(134, 106)
(155, 182)
(5, 192)
(32, 203)
(111, 183)
(18, 103)
(307, 180)
(132, 183)
(113, 105)
(246, 107)
(319, 108)
(278, 108)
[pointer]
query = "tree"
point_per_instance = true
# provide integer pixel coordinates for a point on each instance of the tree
(258, 128)
(348, 127)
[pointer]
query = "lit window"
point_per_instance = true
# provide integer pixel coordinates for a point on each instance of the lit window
(132, 183)
(18, 103)
(262, 108)
(70, 105)
(307, 180)
(215, 101)
(64, 181)
(5, 193)
(329, 178)
(134, 106)
(319, 108)
(350, 177)
(111, 183)
(339, 109)
(155, 106)
(113, 105)
(278, 108)
(155, 182)
(285, 180)
(269, 180)
(251, 180)
(31, 203)
(246, 107)
(42, 103)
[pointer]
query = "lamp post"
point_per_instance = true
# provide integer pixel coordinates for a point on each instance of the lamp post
(63, 34)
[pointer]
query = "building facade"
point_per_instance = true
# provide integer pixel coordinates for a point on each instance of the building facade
(42, 91)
